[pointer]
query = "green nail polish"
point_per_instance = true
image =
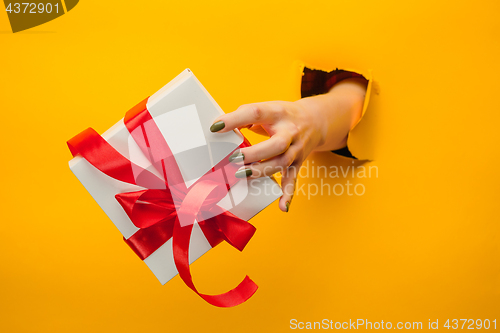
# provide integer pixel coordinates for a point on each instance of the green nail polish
(243, 173)
(217, 126)
(236, 157)
(287, 206)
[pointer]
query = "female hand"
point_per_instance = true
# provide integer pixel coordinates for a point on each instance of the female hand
(295, 129)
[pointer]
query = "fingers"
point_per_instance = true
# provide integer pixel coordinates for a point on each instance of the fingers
(288, 181)
(279, 152)
(269, 167)
(245, 115)
(274, 146)
(258, 129)
(281, 163)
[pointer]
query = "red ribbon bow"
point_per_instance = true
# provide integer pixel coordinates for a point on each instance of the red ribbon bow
(167, 208)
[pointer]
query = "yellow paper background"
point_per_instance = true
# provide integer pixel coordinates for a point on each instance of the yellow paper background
(421, 243)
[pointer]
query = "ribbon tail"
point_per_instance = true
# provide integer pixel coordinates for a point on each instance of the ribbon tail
(236, 296)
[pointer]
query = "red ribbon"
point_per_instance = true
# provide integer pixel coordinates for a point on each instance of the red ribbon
(167, 208)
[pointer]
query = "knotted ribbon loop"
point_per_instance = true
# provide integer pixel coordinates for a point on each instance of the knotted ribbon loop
(167, 208)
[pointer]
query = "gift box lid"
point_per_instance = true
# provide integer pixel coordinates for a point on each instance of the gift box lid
(183, 111)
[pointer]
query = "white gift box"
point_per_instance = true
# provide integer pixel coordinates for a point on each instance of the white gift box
(183, 110)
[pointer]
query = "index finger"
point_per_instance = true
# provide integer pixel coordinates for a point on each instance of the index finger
(245, 115)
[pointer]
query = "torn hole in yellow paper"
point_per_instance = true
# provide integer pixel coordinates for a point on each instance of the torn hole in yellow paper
(360, 138)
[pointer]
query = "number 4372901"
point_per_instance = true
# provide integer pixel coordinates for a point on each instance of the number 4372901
(32, 8)
(471, 324)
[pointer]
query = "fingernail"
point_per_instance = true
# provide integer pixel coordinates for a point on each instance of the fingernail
(217, 126)
(236, 157)
(242, 173)
(287, 205)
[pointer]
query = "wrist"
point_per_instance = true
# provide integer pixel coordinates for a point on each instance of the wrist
(350, 97)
